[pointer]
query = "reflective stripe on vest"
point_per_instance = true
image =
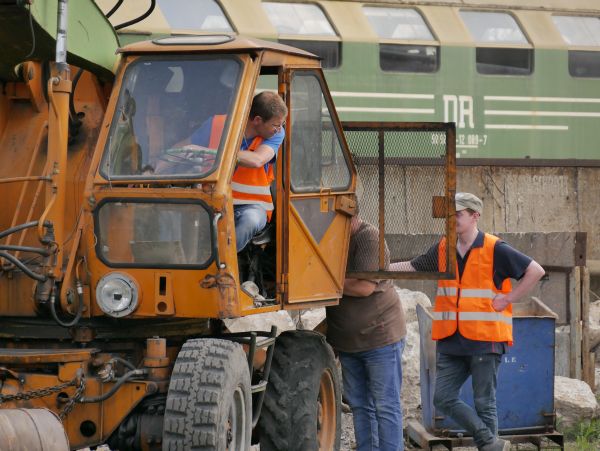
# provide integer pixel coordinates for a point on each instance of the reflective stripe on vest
(443, 316)
(251, 189)
(447, 291)
(485, 316)
(465, 303)
(249, 186)
(477, 293)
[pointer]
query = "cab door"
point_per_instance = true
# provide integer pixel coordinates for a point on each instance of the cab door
(319, 180)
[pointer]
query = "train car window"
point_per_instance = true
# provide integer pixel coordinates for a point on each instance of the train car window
(329, 51)
(579, 30)
(493, 28)
(398, 23)
(584, 32)
(204, 15)
(403, 24)
(296, 22)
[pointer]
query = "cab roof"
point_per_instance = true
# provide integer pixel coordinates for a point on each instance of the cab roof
(212, 43)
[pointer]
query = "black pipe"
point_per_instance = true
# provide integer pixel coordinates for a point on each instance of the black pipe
(35, 250)
(113, 390)
(18, 228)
(19, 264)
(74, 115)
(114, 9)
(139, 19)
(78, 314)
(124, 362)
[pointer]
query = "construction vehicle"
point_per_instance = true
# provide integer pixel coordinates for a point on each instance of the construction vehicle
(115, 278)
(118, 251)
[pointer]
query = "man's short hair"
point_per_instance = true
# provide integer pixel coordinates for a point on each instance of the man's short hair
(268, 104)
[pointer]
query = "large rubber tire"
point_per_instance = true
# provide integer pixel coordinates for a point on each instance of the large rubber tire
(209, 403)
(302, 408)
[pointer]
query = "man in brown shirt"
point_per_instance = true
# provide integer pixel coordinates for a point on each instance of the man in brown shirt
(367, 329)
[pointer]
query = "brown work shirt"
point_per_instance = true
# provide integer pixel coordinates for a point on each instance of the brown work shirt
(365, 323)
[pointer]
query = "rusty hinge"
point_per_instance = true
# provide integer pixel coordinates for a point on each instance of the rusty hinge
(282, 286)
(439, 209)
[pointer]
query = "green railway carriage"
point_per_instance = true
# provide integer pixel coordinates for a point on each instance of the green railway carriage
(521, 78)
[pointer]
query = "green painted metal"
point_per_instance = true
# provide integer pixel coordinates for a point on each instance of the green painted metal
(91, 39)
(546, 115)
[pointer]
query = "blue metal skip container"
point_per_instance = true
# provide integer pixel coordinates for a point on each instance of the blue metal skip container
(525, 394)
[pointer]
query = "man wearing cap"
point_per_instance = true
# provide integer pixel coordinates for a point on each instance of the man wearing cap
(472, 318)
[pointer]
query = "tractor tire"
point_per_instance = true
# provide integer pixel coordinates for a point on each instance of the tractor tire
(302, 407)
(209, 403)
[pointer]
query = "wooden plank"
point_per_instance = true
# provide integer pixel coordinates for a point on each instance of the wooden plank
(575, 323)
(591, 376)
(585, 327)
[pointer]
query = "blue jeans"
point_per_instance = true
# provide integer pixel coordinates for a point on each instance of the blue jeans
(372, 383)
(249, 220)
(452, 372)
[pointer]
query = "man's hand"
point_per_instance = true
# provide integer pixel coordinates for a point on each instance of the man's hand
(359, 287)
(500, 302)
(194, 147)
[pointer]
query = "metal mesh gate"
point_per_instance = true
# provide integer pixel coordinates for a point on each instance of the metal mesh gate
(407, 179)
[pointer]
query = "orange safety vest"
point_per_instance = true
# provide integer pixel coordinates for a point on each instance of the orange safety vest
(466, 302)
(248, 185)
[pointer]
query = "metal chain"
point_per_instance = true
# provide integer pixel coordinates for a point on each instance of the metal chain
(78, 381)
(66, 410)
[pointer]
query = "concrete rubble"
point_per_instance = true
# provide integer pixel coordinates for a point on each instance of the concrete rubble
(574, 401)
(594, 328)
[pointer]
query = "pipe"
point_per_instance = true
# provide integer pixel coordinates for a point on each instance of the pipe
(124, 362)
(129, 375)
(61, 38)
(19, 264)
(72, 112)
(79, 312)
(35, 250)
(14, 229)
(114, 9)
(139, 19)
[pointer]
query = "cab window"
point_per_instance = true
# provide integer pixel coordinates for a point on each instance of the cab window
(305, 26)
(317, 161)
(580, 31)
(171, 118)
(502, 48)
(406, 42)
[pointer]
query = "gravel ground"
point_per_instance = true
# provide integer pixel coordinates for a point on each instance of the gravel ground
(347, 443)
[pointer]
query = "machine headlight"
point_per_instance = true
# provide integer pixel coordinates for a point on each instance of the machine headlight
(117, 295)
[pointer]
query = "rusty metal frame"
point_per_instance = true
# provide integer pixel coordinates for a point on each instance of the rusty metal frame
(449, 163)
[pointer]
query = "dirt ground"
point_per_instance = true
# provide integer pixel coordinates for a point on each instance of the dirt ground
(348, 443)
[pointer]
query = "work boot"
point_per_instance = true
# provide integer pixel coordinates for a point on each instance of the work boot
(497, 445)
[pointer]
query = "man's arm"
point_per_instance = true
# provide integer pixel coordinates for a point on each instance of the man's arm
(261, 156)
(359, 287)
(532, 275)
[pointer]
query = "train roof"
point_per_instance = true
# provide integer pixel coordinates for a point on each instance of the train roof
(547, 5)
